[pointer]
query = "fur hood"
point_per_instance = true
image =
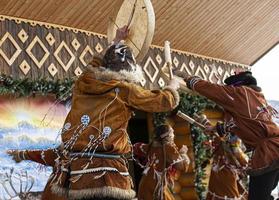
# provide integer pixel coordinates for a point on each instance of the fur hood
(104, 74)
(99, 80)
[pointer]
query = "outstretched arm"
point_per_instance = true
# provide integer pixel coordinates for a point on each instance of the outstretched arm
(153, 101)
(45, 157)
(223, 95)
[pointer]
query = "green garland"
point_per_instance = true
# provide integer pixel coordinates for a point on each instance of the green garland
(190, 104)
(26, 87)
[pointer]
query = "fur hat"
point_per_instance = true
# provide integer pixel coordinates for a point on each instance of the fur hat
(111, 66)
(243, 78)
(119, 57)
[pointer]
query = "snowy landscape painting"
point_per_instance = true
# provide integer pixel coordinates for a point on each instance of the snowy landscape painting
(275, 105)
(27, 123)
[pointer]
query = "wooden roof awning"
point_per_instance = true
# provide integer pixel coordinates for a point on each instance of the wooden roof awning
(238, 31)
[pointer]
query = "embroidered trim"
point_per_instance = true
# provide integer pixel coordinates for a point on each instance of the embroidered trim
(192, 81)
(230, 96)
(247, 99)
(23, 155)
(96, 155)
(97, 169)
(183, 157)
(241, 197)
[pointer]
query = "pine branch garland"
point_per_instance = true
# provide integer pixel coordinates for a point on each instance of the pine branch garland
(26, 87)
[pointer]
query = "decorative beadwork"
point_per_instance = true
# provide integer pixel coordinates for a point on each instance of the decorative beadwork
(67, 126)
(85, 119)
(106, 131)
(117, 90)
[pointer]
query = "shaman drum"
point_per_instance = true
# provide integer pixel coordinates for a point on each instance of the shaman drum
(140, 18)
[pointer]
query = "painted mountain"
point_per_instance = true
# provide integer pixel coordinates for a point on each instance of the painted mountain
(27, 123)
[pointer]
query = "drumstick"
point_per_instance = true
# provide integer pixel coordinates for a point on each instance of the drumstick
(168, 58)
(190, 119)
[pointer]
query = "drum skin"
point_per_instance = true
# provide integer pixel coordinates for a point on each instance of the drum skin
(142, 24)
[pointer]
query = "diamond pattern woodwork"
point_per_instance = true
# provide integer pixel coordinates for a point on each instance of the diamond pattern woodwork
(78, 71)
(70, 61)
(75, 43)
(99, 48)
(22, 35)
(25, 67)
(83, 54)
(149, 67)
(15, 54)
(53, 52)
(52, 69)
(39, 62)
(50, 39)
(159, 59)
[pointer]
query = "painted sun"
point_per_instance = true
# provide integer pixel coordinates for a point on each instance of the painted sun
(39, 112)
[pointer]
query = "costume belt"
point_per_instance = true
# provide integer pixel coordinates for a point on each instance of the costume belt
(96, 155)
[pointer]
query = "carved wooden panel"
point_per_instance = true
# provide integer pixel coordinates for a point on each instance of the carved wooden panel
(40, 50)
(29, 49)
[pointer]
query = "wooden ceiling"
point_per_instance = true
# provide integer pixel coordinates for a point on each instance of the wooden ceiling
(234, 30)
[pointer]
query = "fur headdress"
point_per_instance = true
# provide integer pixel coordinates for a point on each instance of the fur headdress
(119, 57)
(118, 63)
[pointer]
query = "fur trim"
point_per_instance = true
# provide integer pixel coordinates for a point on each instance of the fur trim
(104, 74)
(59, 190)
(103, 192)
(175, 94)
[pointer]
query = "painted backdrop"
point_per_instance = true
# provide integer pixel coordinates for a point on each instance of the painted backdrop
(27, 123)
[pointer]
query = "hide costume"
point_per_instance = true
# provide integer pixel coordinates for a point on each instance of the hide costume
(159, 160)
(90, 163)
(228, 165)
(248, 116)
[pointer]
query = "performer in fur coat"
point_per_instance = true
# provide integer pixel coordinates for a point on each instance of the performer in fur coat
(90, 162)
(228, 166)
(248, 116)
(160, 159)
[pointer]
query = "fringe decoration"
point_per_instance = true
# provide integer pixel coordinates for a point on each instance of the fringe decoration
(102, 192)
